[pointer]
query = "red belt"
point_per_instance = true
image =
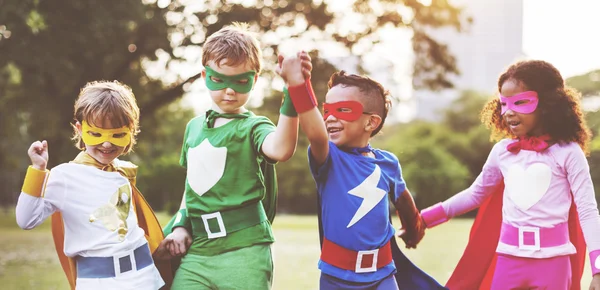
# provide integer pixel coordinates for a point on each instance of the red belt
(357, 261)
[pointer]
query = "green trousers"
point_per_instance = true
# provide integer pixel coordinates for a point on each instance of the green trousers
(248, 268)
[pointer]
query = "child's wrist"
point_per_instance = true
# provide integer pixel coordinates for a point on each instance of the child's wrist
(287, 106)
(303, 96)
(595, 261)
(181, 220)
(295, 80)
(434, 215)
(180, 229)
(39, 167)
(34, 182)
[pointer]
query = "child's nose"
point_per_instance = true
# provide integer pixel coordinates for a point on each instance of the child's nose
(509, 112)
(106, 144)
(229, 91)
(331, 118)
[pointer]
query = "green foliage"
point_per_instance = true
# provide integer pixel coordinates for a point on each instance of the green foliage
(441, 159)
(161, 179)
(588, 84)
(55, 48)
(432, 174)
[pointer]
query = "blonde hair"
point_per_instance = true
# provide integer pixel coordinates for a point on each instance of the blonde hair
(236, 44)
(102, 100)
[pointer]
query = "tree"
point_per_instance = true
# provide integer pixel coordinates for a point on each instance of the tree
(441, 159)
(588, 84)
(431, 172)
(473, 144)
(56, 47)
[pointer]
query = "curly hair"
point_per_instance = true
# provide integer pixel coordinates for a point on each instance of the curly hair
(559, 106)
(375, 97)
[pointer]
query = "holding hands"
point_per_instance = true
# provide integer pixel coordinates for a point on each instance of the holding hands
(412, 231)
(175, 244)
(296, 69)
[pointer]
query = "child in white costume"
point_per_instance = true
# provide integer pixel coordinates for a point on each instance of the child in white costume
(96, 196)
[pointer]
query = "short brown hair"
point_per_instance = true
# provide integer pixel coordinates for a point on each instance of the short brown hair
(236, 44)
(99, 100)
(375, 97)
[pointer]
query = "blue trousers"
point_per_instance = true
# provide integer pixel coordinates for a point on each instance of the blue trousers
(328, 282)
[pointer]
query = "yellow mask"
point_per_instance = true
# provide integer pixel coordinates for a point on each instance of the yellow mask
(92, 135)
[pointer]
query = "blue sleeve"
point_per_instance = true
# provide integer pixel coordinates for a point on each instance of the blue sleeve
(399, 184)
(319, 173)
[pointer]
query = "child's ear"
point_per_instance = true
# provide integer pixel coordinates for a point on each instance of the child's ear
(373, 123)
(78, 126)
(203, 74)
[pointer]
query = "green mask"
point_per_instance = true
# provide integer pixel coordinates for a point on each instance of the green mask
(241, 83)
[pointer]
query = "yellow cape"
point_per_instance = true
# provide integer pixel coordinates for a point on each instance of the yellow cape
(145, 216)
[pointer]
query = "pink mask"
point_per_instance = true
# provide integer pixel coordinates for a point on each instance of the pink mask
(524, 103)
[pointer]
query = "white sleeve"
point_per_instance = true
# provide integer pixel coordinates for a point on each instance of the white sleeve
(31, 211)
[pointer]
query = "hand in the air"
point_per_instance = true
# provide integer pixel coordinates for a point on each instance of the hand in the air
(296, 69)
(38, 153)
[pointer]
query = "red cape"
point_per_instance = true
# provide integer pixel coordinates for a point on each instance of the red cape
(475, 269)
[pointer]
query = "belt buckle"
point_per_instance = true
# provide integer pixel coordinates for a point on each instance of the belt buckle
(215, 215)
(359, 258)
(117, 263)
(536, 238)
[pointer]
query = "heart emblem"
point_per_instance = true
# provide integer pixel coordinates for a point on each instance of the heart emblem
(205, 166)
(526, 187)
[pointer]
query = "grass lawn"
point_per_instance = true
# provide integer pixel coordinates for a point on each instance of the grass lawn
(28, 260)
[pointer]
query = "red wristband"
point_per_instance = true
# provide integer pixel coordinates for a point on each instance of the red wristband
(303, 97)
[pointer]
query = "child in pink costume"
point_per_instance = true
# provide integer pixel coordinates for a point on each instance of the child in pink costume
(535, 176)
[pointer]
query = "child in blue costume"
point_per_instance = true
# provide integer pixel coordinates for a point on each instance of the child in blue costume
(354, 183)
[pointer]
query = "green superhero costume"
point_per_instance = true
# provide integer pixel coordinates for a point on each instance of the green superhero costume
(231, 187)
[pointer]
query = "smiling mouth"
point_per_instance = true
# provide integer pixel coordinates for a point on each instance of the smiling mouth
(333, 130)
(513, 123)
(107, 151)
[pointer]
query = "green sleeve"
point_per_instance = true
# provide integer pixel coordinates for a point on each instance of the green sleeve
(184, 146)
(260, 130)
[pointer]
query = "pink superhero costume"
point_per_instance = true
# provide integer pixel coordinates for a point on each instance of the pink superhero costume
(535, 208)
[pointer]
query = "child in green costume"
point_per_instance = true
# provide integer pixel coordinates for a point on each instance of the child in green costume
(223, 229)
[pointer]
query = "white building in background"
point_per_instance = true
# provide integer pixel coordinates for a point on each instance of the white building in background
(492, 42)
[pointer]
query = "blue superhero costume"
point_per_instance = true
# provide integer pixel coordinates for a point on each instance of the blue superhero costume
(354, 215)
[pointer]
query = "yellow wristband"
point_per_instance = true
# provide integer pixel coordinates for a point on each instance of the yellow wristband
(34, 183)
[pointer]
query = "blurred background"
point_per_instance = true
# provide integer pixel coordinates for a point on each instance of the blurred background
(440, 59)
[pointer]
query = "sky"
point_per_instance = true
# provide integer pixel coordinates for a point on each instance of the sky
(564, 33)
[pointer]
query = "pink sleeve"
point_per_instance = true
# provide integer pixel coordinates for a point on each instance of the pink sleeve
(470, 198)
(578, 174)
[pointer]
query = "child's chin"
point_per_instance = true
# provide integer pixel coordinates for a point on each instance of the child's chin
(518, 134)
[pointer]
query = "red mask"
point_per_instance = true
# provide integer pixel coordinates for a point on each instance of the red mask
(345, 110)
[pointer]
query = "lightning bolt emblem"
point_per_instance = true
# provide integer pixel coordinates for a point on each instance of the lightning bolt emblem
(370, 194)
